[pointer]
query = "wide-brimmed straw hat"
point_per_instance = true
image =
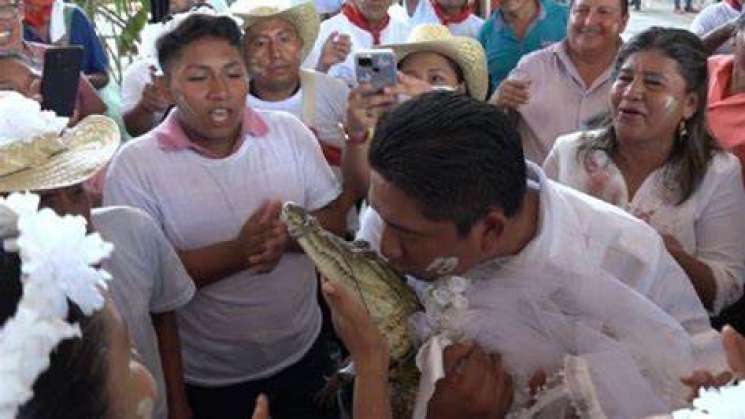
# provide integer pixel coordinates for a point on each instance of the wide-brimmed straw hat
(466, 52)
(48, 159)
(301, 15)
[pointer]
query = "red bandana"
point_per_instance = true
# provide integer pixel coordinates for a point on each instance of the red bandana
(354, 16)
(735, 4)
(445, 19)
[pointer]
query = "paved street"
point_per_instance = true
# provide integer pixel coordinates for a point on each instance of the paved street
(658, 13)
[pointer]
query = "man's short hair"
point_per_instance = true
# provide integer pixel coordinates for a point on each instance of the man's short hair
(456, 156)
(194, 28)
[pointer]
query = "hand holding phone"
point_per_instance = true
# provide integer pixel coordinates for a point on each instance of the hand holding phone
(60, 79)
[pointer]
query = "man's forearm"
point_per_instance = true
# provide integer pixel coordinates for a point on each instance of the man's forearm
(139, 120)
(714, 39)
(212, 263)
(169, 347)
(371, 396)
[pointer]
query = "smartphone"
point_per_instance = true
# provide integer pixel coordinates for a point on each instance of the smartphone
(159, 9)
(377, 67)
(60, 79)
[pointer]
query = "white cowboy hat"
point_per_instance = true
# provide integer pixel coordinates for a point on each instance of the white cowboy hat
(466, 52)
(35, 156)
(302, 15)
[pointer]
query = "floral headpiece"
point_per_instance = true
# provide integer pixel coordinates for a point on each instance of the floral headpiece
(58, 264)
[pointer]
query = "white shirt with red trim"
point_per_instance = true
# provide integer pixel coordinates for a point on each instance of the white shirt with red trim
(425, 13)
(397, 31)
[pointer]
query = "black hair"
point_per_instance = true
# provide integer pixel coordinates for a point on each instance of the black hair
(75, 384)
(690, 156)
(193, 28)
(457, 157)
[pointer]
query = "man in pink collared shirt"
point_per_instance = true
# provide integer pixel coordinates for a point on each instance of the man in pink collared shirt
(564, 87)
(214, 175)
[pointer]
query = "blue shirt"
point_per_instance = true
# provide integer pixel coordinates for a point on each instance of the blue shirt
(504, 50)
(81, 33)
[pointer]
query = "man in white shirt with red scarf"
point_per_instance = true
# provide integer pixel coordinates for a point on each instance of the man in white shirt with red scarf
(367, 23)
(457, 15)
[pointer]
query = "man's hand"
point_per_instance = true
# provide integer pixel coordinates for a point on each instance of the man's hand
(263, 238)
(734, 348)
(475, 385)
(153, 100)
(511, 94)
(354, 327)
(365, 105)
(335, 50)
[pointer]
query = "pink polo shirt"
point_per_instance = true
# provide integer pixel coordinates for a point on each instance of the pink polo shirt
(171, 136)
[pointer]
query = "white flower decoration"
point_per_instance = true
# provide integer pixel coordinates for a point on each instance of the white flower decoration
(57, 250)
(22, 119)
(444, 302)
(726, 402)
(56, 254)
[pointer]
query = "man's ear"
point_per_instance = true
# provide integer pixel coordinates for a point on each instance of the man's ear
(491, 231)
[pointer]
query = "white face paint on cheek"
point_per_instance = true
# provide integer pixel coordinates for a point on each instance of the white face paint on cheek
(442, 266)
(145, 408)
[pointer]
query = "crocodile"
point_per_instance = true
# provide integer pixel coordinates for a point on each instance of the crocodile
(380, 289)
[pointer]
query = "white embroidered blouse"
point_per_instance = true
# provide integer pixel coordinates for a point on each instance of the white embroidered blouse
(709, 225)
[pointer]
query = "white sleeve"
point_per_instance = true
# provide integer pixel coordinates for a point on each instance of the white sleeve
(720, 233)
(699, 25)
(134, 79)
(669, 287)
(173, 287)
(371, 228)
(320, 185)
(551, 164)
(311, 61)
(126, 184)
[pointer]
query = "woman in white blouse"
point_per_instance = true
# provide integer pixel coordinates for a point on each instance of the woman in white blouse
(655, 159)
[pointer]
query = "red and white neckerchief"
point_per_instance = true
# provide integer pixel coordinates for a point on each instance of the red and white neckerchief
(459, 18)
(353, 14)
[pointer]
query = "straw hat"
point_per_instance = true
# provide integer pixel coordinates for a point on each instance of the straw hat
(464, 51)
(302, 15)
(49, 160)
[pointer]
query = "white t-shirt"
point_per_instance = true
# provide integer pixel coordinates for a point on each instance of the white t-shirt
(329, 110)
(425, 13)
(245, 326)
(148, 279)
(712, 17)
(397, 31)
(136, 76)
(602, 237)
(708, 225)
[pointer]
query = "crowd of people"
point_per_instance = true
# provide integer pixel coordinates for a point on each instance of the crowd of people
(565, 204)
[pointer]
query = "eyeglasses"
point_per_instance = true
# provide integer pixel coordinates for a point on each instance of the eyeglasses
(9, 11)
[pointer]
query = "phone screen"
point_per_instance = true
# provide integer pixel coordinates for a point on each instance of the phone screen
(60, 80)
